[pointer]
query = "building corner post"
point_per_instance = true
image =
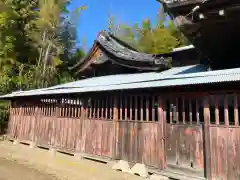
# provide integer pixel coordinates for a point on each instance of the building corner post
(115, 128)
(207, 143)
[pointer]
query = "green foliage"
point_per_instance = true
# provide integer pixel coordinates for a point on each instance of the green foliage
(37, 42)
(37, 38)
(157, 41)
(4, 112)
(162, 38)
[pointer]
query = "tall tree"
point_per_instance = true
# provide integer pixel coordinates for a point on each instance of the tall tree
(36, 37)
(145, 37)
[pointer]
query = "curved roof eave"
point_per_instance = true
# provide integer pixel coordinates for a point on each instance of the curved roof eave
(119, 49)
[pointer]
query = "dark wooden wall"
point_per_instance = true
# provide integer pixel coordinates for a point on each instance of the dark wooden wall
(222, 130)
(194, 131)
(67, 126)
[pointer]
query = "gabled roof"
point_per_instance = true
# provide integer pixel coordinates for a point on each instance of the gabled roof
(107, 47)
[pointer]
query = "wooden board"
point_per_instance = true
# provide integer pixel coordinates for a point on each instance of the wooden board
(225, 150)
(141, 142)
(185, 147)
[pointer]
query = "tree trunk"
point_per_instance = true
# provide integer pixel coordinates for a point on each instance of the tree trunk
(45, 61)
(41, 49)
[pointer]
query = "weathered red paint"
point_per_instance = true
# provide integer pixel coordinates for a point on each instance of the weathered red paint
(139, 136)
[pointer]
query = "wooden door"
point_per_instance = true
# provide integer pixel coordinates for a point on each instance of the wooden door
(184, 137)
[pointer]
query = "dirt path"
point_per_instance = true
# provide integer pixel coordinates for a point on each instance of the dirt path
(19, 162)
(11, 170)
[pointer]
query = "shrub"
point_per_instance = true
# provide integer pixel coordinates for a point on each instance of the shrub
(4, 114)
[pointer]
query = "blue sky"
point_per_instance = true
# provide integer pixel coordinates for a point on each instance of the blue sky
(95, 18)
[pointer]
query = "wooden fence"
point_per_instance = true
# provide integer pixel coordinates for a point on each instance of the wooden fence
(192, 131)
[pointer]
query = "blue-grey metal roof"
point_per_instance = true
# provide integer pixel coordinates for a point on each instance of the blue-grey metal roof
(181, 76)
(131, 78)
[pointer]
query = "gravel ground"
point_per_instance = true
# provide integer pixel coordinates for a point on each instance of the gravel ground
(19, 162)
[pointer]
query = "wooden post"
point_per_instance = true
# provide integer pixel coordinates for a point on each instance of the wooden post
(147, 108)
(56, 121)
(125, 108)
(171, 111)
(12, 114)
(136, 108)
(177, 112)
(19, 122)
(162, 124)
(141, 108)
(36, 119)
(164, 109)
(197, 112)
(153, 108)
(130, 108)
(115, 148)
(183, 111)
(216, 102)
(236, 118)
(84, 107)
(226, 118)
(190, 111)
(207, 145)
